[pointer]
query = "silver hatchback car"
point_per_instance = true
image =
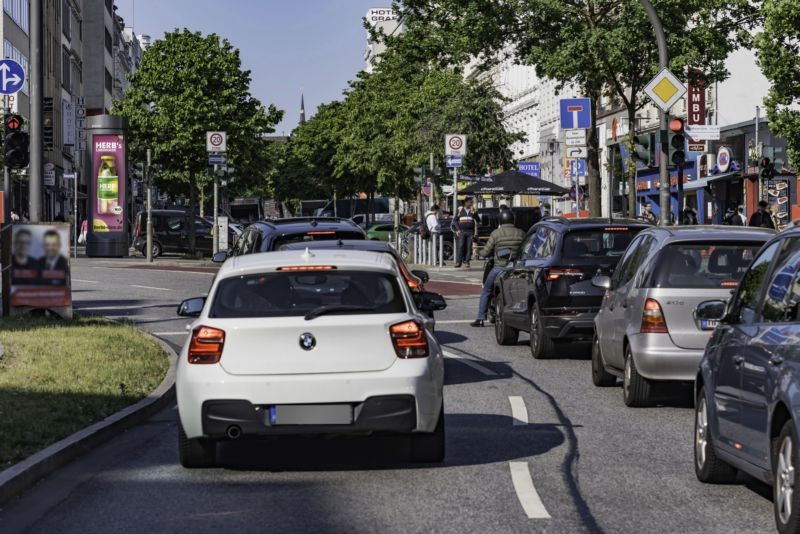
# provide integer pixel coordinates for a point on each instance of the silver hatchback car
(653, 323)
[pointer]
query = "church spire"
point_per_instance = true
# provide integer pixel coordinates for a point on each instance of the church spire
(302, 108)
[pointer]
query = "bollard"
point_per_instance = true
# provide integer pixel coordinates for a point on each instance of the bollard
(415, 255)
(441, 251)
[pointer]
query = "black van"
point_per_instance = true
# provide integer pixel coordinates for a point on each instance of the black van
(171, 232)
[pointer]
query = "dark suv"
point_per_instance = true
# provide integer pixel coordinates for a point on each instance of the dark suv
(267, 236)
(547, 289)
(748, 384)
(171, 232)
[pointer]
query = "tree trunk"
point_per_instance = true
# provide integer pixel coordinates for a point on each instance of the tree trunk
(593, 163)
(192, 210)
(631, 174)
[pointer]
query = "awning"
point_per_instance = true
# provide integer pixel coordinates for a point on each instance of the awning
(725, 176)
(696, 184)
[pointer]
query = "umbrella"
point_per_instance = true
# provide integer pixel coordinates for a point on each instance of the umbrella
(514, 182)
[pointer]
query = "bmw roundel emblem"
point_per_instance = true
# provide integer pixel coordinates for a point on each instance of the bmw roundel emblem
(307, 341)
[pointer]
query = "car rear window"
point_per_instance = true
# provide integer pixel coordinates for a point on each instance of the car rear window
(282, 294)
(701, 265)
(314, 235)
(608, 242)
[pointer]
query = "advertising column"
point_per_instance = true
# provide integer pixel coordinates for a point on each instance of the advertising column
(107, 208)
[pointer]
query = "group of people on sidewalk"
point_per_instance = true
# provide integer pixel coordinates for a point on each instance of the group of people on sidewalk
(464, 225)
(762, 218)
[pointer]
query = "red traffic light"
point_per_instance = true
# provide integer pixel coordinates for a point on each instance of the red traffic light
(764, 163)
(676, 125)
(13, 123)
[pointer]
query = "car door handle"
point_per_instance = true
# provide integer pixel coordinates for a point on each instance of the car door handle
(776, 360)
(738, 359)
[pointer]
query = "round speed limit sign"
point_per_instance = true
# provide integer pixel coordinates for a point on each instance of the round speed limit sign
(455, 145)
(216, 141)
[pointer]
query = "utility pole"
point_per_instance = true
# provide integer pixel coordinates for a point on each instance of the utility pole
(433, 186)
(148, 181)
(215, 246)
(758, 155)
(665, 201)
(6, 176)
(36, 87)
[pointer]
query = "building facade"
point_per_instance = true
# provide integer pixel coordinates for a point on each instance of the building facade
(385, 20)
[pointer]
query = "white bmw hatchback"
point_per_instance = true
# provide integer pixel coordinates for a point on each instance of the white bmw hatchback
(323, 342)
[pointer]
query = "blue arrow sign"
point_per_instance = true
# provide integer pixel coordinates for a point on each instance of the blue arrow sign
(217, 159)
(576, 113)
(453, 161)
(12, 77)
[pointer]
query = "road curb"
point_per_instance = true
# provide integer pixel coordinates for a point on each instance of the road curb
(23, 475)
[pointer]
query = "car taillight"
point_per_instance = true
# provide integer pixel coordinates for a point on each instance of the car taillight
(554, 274)
(410, 279)
(409, 340)
(653, 318)
(206, 345)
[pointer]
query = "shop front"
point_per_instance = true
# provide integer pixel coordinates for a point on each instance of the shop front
(695, 194)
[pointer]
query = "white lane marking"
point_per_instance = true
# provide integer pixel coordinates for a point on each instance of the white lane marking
(86, 281)
(153, 270)
(151, 287)
(526, 492)
(455, 321)
(470, 363)
(169, 333)
(518, 411)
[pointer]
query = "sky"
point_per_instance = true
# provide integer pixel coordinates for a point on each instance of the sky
(316, 45)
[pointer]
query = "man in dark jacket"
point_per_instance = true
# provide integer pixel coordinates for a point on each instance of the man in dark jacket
(507, 236)
(762, 218)
(464, 226)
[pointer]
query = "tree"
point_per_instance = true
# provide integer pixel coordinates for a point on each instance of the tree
(605, 47)
(186, 85)
(778, 52)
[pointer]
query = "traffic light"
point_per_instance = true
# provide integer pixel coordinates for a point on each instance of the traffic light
(17, 144)
(767, 168)
(645, 149)
(677, 142)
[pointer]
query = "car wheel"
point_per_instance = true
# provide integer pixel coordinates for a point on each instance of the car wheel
(784, 470)
(429, 447)
(492, 311)
(196, 452)
(707, 466)
(156, 249)
(503, 334)
(541, 344)
(635, 387)
(600, 377)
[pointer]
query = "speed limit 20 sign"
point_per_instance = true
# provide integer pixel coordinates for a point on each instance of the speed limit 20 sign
(216, 141)
(455, 145)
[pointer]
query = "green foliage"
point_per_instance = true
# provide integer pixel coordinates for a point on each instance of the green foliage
(778, 49)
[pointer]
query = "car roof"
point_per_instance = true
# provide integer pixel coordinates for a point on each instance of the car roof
(594, 221)
(342, 259)
(302, 224)
(711, 231)
(341, 244)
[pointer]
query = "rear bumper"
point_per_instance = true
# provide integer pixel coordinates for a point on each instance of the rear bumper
(579, 326)
(391, 413)
(657, 358)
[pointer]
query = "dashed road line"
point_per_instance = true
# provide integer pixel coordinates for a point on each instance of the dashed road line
(455, 321)
(526, 492)
(518, 411)
(151, 287)
(85, 281)
(470, 363)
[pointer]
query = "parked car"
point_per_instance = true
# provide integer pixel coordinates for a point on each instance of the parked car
(268, 236)
(747, 387)
(649, 327)
(312, 309)
(383, 232)
(547, 290)
(361, 219)
(171, 232)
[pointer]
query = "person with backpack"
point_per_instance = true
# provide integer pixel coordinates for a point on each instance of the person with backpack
(431, 221)
(465, 225)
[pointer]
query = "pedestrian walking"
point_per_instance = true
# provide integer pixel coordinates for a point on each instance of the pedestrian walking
(432, 220)
(762, 218)
(648, 214)
(464, 225)
(734, 217)
(689, 216)
(507, 236)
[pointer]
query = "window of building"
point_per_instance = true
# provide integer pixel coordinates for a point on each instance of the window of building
(66, 69)
(66, 19)
(18, 10)
(109, 42)
(109, 82)
(12, 52)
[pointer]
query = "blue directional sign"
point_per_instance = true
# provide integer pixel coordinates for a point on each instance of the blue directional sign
(577, 168)
(576, 113)
(12, 77)
(530, 168)
(453, 161)
(217, 159)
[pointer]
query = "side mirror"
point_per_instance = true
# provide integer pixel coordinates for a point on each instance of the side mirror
(430, 302)
(504, 254)
(422, 275)
(191, 307)
(602, 281)
(220, 257)
(711, 310)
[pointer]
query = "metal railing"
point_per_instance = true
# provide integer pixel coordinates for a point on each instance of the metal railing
(426, 251)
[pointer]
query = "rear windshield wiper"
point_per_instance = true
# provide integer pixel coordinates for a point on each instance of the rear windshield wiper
(322, 310)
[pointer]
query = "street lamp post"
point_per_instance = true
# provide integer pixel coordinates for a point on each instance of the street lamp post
(663, 118)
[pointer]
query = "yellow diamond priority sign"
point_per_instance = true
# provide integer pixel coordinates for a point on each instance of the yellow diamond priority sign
(665, 90)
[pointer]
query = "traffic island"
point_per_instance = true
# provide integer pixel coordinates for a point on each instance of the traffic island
(67, 386)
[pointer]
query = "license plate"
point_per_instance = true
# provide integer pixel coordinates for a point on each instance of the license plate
(708, 324)
(310, 414)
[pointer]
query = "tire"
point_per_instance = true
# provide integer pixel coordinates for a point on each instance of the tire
(156, 249)
(786, 486)
(196, 452)
(600, 377)
(503, 334)
(707, 466)
(635, 387)
(429, 447)
(541, 345)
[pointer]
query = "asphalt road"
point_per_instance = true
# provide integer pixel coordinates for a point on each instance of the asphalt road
(532, 446)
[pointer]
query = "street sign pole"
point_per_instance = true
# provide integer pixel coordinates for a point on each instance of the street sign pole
(455, 212)
(216, 211)
(76, 223)
(36, 87)
(149, 183)
(6, 175)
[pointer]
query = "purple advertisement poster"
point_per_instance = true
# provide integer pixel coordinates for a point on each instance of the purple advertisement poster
(108, 174)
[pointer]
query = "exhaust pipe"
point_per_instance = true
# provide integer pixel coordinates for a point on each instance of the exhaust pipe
(234, 432)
